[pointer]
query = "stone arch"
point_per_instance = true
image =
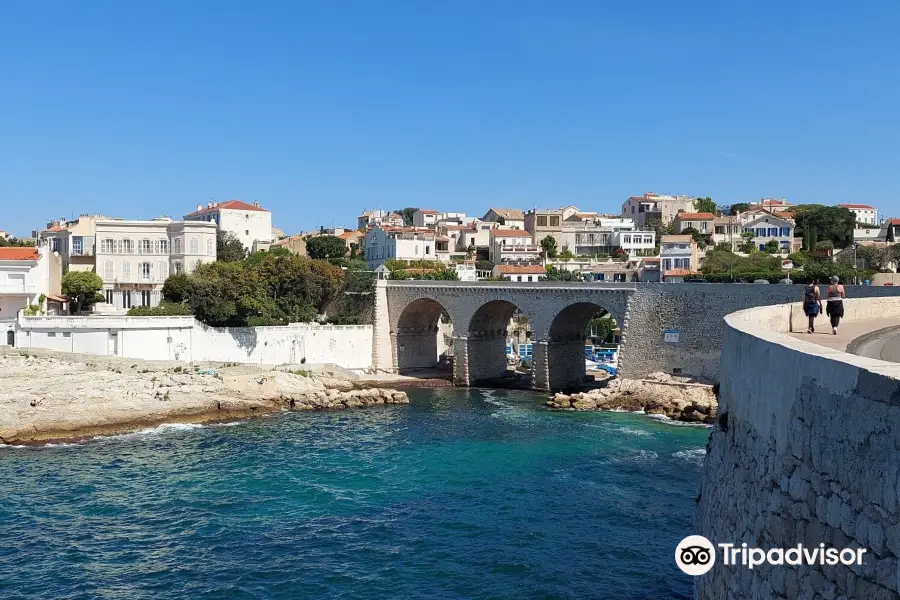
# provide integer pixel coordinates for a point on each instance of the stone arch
(486, 340)
(416, 341)
(565, 344)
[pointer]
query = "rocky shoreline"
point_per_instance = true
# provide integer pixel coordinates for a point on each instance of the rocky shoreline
(53, 397)
(677, 398)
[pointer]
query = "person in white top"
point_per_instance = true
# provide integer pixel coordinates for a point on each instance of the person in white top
(834, 298)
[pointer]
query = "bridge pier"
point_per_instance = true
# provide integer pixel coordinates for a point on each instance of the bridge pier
(478, 358)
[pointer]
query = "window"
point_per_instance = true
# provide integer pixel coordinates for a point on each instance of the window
(108, 294)
(247, 232)
(108, 246)
(542, 221)
(126, 270)
(626, 239)
(178, 266)
(128, 246)
(195, 246)
(786, 231)
(51, 334)
(210, 247)
(518, 278)
(417, 250)
(176, 246)
(529, 278)
(145, 247)
(145, 297)
(427, 249)
(54, 244)
(760, 232)
(67, 334)
(126, 299)
(773, 232)
(162, 270)
(145, 270)
(108, 269)
(554, 221)
(77, 245)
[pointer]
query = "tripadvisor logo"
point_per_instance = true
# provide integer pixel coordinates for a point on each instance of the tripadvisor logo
(696, 555)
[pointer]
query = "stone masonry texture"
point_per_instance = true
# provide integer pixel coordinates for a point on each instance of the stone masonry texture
(643, 311)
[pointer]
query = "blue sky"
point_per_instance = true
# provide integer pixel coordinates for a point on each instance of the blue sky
(320, 109)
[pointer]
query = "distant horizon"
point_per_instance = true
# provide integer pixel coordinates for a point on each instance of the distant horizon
(319, 111)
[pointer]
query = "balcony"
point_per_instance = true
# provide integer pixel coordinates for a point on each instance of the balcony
(82, 252)
(18, 290)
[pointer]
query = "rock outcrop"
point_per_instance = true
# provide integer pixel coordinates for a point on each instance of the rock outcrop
(678, 398)
(47, 398)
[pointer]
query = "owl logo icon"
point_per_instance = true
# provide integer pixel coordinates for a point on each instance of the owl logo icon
(695, 555)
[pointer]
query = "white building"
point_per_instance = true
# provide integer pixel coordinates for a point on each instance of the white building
(425, 217)
(376, 216)
(404, 243)
(520, 272)
(635, 243)
(250, 223)
(25, 275)
(865, 214)
(768, 227)
(134, 258)
(466, 271)
(649, 207)
(513, 246)
(510, 218)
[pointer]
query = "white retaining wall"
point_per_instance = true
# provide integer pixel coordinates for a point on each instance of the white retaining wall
(185, 339)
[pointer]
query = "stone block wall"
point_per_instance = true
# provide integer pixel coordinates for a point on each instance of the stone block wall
(698, 312)
(805, 452)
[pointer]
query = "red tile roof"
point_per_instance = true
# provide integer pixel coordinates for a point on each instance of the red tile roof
(56, 228)
(428, 211)
(677, 272)
(894, 221)
(696, 216)
(522, 270)
(651, 260)
(865, 206)
(227, 205)
(676, 239)
(509, 233)
(19, 254)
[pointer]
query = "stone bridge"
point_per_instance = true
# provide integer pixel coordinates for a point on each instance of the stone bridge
(407, 315)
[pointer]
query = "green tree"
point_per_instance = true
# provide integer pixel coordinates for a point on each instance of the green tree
(739, 207)
(163, 309)
(177, 288)
(407, 214)
(772, 247)
(554, 274)
(817, 223)
(470, 251)
(81, 287)
(326, 246)
(228, 247)
(747, 246)
(566, 255)
(603, 325)
(13, 242)
(484, 265)
(548, 245)
(705, 205)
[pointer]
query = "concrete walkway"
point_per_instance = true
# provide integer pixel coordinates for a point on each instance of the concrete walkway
(847, 332)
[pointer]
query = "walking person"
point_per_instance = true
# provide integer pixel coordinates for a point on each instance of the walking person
(834, 297)
(812, 305)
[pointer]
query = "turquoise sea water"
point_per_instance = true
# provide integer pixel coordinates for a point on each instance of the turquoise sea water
(462, 494)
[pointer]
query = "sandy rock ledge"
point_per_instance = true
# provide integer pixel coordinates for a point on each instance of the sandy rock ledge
(678, 398)
(55, 397)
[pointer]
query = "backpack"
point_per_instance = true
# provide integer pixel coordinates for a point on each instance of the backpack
(810, 297)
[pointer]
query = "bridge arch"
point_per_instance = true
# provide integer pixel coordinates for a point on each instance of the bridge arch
(417, 335)
(486, 337)
(565, 344)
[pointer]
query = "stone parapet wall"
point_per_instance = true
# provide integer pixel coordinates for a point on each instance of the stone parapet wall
(804, 452)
